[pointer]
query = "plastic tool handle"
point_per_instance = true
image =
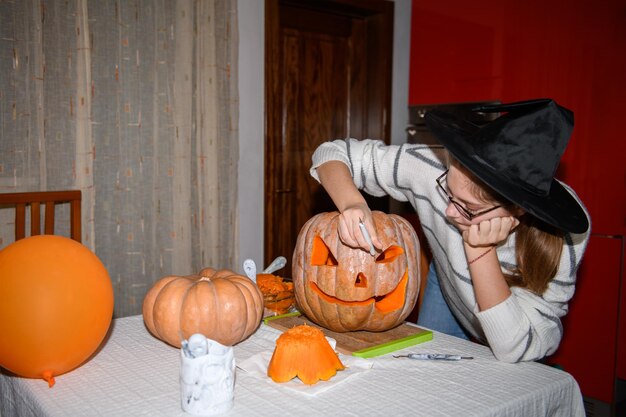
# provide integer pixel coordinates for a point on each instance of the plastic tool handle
(367, 237)
(434, 357)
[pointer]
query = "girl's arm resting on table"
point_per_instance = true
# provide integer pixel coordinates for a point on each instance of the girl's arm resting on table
(336, 179)
(510, 329)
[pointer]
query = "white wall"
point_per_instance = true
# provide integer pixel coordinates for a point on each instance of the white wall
(251, 17)
(400, 81)
(252, 107)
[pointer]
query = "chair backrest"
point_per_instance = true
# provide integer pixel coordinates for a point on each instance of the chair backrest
(49, 199)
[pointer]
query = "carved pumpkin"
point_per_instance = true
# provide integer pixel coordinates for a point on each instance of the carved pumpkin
(347, 289)
(221, 305)
(303, 352)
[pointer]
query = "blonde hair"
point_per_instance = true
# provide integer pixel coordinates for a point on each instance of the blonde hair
(538, 245)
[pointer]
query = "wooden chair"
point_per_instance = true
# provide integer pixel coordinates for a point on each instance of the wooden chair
(50, 199)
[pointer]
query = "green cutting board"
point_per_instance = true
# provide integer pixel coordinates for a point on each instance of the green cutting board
(361, 343)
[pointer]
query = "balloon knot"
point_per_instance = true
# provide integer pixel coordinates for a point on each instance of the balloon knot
(47, 375)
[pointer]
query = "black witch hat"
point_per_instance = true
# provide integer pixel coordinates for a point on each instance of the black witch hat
(517, 155)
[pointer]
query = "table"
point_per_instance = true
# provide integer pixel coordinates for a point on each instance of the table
(135, 374)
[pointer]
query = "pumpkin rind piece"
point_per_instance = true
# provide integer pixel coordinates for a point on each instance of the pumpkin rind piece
(303, 352)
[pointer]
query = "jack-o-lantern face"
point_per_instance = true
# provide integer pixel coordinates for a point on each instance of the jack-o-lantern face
(347, 289)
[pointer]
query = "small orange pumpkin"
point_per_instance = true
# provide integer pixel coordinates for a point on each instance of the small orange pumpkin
(345, 289)
(303, 352)
(221, 305)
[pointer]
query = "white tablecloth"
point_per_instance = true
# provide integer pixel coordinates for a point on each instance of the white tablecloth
(135, 374)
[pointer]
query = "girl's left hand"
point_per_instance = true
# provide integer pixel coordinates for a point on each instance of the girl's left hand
(490, 232)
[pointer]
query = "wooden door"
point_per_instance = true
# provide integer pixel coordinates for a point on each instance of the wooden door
(328, 76)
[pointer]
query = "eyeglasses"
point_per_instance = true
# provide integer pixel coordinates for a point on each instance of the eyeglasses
(464, 212)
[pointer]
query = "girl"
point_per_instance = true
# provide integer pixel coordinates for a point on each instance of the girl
(506, 237)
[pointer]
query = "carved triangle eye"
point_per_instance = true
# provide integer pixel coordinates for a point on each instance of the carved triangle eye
(390, 254)
(321, 254)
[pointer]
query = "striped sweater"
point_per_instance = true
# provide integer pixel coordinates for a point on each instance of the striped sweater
(525, 326)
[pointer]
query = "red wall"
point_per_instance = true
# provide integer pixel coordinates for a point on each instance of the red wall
(571, 50)
(575, 52)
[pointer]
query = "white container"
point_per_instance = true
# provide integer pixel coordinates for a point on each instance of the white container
(207, 376)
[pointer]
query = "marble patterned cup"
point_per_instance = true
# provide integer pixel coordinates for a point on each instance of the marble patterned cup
(207, 379)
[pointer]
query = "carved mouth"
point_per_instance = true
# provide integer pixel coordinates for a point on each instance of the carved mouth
(384, 303)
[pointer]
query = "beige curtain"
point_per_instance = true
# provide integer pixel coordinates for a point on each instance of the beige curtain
(134, 102)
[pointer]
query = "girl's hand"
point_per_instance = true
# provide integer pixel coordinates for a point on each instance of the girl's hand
(350, 232)
(490, 232)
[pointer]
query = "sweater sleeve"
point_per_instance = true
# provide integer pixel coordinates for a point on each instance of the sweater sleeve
(371, 162)
(330, 151)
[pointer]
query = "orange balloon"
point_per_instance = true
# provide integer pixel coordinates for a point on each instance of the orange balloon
(56, 305)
